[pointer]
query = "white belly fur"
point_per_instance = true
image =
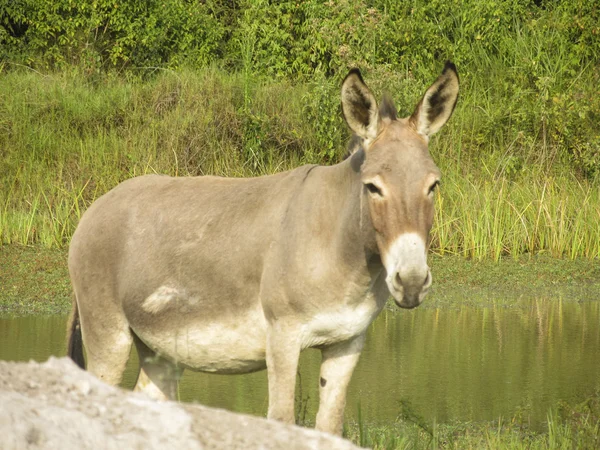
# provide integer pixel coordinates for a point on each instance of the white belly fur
(213, 347)
(238, 344)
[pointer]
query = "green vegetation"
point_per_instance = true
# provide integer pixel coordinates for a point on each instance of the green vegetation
(67, 139)
(90, 97)
(567, 427)
(529, 68)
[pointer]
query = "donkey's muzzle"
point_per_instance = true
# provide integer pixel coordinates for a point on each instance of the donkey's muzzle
(409, 288)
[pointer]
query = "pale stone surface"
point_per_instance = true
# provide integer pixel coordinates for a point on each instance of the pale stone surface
(55, 405)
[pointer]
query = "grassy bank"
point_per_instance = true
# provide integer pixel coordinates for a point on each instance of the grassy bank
(35, 280)
(567, 427)
(66, 139)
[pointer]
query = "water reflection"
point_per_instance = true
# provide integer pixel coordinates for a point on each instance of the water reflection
(466, 363)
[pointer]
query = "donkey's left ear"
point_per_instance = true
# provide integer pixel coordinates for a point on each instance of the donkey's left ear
(438, 103)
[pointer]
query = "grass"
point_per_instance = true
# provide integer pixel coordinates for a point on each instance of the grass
(567, 427)
(35, 280)
(67, 139)
(494, 216)
(66, 142)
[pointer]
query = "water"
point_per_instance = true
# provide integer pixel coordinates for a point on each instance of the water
(466, 363)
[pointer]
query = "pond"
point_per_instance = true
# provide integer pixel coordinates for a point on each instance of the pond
(448, 363)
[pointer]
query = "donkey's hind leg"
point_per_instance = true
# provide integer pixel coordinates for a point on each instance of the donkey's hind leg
(107, 344)
(158, 378)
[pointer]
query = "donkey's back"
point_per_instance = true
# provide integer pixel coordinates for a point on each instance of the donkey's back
(147, 227)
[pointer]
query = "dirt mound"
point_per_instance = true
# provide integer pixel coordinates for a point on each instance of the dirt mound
(55, 405)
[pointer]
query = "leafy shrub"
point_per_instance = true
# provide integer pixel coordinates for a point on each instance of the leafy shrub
(111, 33)
(529, 68)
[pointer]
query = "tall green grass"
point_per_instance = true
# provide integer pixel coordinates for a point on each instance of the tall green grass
(492, 216)
(567, 427)
(66, 139)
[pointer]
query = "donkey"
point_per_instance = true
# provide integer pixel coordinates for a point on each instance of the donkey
(232, 275)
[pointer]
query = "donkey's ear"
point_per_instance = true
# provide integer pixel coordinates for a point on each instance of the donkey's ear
(359, 106)
(438, 103)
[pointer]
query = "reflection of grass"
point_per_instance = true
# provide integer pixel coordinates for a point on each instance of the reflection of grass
(301, 403)
(566, 427)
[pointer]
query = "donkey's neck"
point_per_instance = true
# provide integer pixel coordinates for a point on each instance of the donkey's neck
(354, 237)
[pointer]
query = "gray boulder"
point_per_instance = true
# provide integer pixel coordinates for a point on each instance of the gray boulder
(55, 405)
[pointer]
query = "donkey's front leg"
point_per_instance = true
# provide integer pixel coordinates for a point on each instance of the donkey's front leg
(338, 363)
(283, 351)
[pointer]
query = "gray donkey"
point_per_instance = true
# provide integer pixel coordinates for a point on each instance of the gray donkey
(230, 275)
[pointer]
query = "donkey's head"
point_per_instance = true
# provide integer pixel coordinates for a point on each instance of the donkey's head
(399, 176)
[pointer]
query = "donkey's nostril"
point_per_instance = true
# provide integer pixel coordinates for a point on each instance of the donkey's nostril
(398, 280)
(428, 280)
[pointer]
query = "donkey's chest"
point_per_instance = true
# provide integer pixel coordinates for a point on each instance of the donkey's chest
(339, 324)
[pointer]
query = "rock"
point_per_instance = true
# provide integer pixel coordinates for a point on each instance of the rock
(56, 405)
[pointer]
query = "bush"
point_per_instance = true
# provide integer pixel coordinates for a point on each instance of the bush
(530, 69)
(111, 33)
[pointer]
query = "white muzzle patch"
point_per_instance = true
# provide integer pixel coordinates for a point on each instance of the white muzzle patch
(408, 276)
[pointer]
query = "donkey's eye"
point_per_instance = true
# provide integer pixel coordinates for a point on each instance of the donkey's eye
(373, 189)
(433, 186)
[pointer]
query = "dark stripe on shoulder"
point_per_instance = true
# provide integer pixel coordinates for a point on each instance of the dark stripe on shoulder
(308, 172)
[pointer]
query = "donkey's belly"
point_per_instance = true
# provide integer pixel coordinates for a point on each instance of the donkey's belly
(234, 343)
(217, 348)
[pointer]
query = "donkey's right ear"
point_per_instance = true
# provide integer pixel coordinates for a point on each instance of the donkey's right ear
(359, 106)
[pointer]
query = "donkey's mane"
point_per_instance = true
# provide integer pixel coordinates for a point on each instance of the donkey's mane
(387, 109)
(354, 145)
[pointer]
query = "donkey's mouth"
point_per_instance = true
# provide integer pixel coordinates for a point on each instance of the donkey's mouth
(405, 306)
(411, 303)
